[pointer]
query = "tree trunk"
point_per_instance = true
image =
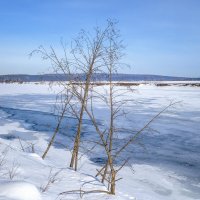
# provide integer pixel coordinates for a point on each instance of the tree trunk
(105, 172)
(74, 158)
(112, 183)
(55, 132)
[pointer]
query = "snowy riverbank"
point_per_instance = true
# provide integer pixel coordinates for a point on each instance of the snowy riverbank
(167, 169)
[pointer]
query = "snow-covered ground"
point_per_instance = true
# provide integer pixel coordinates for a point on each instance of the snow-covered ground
(165, 165)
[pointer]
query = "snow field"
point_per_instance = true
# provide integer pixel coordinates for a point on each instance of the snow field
(31, 174)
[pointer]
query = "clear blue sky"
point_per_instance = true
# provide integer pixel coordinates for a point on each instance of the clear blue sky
(162, 36)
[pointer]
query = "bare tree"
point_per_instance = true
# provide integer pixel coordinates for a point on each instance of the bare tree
(86, 57)
(13, 171)
(110, 170)
(61, 114)
(53, 177)
(28, 147)
(116, 101)
(89, 54)
(3, 156)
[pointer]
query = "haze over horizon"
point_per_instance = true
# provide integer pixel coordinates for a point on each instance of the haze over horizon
(161, 37)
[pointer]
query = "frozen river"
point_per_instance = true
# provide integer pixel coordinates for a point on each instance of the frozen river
(172, 142)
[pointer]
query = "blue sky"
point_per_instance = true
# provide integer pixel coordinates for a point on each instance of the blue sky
(161, 36)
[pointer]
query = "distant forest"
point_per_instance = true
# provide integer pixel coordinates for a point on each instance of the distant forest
(95, 78)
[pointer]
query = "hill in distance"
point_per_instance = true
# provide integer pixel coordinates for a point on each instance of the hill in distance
(96, 77)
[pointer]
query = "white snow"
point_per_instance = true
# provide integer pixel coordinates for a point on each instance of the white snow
(19, 190)
(145, 181)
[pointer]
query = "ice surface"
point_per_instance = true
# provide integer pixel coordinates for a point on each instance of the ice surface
(165, 163)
